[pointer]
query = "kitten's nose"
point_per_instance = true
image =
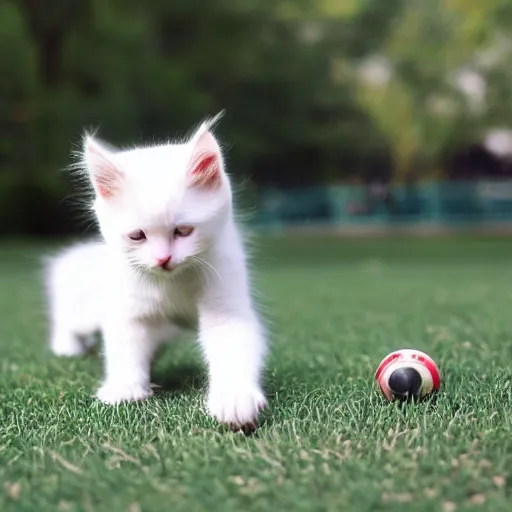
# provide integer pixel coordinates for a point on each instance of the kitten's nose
(164, 262)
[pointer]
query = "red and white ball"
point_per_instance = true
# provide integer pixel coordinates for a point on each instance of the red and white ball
(406, 374)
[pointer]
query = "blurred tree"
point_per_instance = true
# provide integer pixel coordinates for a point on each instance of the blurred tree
(419, 90)
(50, 21)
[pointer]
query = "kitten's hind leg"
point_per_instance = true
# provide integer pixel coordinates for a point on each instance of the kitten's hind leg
(65, 343)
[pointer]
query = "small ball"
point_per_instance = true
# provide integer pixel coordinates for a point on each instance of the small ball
(407, 374)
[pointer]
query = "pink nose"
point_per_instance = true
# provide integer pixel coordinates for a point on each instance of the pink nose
(164, 262)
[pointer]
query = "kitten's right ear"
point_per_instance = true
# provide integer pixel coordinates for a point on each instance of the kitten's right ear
(205, 166)
(105, 174)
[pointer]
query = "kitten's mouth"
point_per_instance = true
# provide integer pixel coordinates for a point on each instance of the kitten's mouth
(159, 272)
(164, 271)
(167, 271)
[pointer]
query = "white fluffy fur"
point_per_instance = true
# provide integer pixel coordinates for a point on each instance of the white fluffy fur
(116, 286)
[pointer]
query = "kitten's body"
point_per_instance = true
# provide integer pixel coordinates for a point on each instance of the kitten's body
(139, 293)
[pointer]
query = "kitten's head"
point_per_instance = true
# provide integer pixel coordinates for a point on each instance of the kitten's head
(161, 206)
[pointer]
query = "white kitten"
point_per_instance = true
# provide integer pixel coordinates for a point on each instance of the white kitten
(172, 254)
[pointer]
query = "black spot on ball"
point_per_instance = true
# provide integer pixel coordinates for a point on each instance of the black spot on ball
(405, 384)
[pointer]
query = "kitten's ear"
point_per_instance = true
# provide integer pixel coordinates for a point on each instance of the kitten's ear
(104, 173)
(205, 167)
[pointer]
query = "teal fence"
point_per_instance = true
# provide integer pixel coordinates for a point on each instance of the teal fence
(441, 203)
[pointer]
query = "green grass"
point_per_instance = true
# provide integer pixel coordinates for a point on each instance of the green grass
(328, 441)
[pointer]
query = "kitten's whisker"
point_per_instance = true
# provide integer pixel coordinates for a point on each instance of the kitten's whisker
(200, 273)
(200, 269)
(206, 266)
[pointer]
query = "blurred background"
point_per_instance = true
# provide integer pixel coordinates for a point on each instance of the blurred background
(346, 114)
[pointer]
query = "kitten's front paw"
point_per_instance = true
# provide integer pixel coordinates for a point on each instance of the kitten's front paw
(238, 407)
(117, 392)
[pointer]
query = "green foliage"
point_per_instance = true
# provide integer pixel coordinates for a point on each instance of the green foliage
(419, 109)
(328, 441)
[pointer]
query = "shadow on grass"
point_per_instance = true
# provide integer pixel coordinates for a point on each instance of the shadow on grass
(180, 379)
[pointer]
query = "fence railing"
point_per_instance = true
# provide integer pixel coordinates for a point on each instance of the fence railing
(440, 203)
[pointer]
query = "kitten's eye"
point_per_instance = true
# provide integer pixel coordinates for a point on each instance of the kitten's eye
(137, 236)
(183, 231)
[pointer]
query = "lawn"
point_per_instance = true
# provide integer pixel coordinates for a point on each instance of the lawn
(328, 441)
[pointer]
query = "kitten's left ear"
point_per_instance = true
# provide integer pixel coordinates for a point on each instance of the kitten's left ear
(205, 167)
(105, 174)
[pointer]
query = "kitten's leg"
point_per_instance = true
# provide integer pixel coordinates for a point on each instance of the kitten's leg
(234, 348)
(129, 349)
(71, 302)
(64, 342)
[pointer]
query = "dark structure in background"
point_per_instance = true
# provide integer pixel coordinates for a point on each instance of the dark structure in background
(476, 162)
